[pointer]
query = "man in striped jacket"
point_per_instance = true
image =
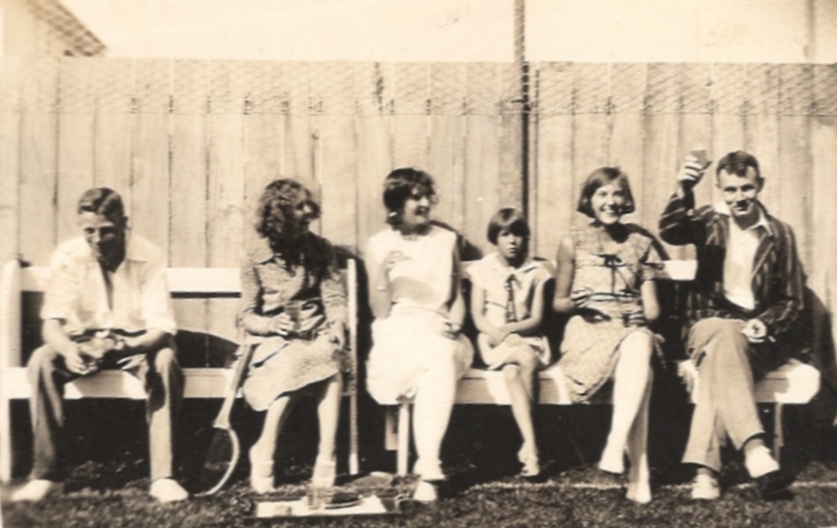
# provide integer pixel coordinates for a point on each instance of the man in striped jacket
(747, 292)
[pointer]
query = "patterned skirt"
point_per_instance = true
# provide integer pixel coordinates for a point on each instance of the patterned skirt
(281, 366)
(589, 353)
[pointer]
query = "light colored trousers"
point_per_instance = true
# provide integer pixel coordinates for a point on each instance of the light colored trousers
(48, 374)
(726, 401)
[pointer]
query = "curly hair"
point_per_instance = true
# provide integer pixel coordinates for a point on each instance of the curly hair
(295, 246)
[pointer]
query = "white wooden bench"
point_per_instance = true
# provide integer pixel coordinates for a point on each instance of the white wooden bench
(203, 283)
(793, 383)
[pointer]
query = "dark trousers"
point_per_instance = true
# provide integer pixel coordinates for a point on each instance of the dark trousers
(48, 374)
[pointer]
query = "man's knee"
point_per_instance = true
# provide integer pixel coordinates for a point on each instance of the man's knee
(165, 360)
(724, 333)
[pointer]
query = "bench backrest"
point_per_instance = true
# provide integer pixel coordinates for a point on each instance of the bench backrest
(221, 286)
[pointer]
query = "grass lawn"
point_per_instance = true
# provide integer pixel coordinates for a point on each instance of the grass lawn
(575, 497)
(106, 484)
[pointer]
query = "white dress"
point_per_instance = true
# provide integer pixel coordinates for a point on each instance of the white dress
(492, 276)
(413, 336)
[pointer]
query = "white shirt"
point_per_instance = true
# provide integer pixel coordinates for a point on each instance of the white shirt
(738, 264)
(77, 293)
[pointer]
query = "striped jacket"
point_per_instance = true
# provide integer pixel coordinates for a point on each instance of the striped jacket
(777, 279)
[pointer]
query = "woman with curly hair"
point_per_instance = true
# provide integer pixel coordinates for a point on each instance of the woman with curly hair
(418, 350)
(294, 313)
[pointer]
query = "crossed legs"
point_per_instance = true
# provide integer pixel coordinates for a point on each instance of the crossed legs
(629, 426)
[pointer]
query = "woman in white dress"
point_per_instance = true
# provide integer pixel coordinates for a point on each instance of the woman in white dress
(414, 291)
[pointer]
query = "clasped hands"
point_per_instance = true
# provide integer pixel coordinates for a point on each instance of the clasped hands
(581, 299)
(85, 356)
(284, 325)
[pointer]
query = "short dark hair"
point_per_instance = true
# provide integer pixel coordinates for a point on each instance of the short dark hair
(277, 200)
(599, 178)
(399, 185)
(508, 218)
(102, 201)
(737, 162)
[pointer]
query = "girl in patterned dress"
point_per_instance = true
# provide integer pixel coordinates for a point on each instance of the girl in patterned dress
(294, 313)
(605, 280)
(507, 302)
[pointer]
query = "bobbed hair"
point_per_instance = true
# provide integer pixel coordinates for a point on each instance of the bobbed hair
(508, 218)
(400, 185)
(737, 162)
(599, 178)
(102, 201)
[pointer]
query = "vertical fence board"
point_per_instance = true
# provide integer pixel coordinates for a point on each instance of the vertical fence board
(225, 222)
(794, 182)
(150, 183)
(76, 152)
(482, 162)
(409, 120)
(761, 133)
(339, 164)
(662, 151)
(10, 215)
(189, 176)
(728, 81)
(445, 158)
(113, 85)
(38, 163)
(374, 148)
(626, 135)
(510, 128)
(298, 152)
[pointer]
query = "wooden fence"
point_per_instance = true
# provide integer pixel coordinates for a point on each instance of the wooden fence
(190, 145)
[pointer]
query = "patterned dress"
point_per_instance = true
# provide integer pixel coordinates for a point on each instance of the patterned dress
(590, 347)
(509, 294)
(281, 365)
(413, 336)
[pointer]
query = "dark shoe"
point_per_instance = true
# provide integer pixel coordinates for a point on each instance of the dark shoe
(774, 484)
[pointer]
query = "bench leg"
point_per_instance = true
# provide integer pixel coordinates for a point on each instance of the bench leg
(778, 432)
(403, 437)
(5, 439)
(391, 428)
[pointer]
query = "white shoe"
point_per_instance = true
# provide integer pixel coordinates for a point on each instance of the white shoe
(639, 492)
(36, 490)
(705, 487)
(167, 490)
(425, 492)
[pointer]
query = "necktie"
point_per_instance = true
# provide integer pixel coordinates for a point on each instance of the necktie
(511, 315)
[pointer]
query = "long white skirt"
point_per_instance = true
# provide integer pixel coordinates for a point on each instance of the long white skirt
(404, 346)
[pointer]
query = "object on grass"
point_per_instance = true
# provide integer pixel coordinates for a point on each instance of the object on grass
(371, 505)
(225, 449)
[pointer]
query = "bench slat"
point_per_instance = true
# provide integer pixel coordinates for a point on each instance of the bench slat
(181, 280)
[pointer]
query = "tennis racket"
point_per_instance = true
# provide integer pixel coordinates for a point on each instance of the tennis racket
(225, 448)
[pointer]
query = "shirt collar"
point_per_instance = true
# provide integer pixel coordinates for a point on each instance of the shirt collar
(133, 251)
(528, 265)
(722, 208)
